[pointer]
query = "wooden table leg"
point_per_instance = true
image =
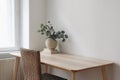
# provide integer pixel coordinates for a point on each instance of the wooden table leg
(104, 74)
(15, 70)
(73, 76)
(47, 68)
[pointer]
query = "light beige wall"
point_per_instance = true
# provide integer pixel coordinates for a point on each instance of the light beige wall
(32, 14)
(37, 16)
(93, 28)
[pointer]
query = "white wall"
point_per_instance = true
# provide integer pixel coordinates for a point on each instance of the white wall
(93, 28)
(32, 14)
(24, 23)
(37, 16)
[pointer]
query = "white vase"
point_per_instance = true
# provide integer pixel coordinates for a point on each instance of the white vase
(51, 44)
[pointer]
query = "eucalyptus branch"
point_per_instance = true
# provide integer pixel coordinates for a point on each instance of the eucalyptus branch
(48, 30)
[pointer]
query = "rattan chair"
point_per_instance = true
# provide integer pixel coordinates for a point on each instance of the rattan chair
(32, 66)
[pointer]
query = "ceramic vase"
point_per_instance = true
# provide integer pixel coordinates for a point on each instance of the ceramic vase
(51, 43)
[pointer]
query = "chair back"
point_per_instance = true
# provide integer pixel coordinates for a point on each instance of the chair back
(31, 64)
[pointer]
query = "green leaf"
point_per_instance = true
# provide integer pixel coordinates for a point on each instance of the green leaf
(42, 33)
(48, 30)
(48, 21)
(66, 36)
(63, 40)
(62, 31)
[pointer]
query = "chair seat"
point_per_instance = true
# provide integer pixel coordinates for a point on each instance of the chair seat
(47, 76)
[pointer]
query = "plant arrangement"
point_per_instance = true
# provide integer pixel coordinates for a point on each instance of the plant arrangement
(48, 30)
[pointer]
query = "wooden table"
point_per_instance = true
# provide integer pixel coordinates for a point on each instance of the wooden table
(72, 63)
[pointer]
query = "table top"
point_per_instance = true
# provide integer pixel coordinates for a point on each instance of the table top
(70, 62)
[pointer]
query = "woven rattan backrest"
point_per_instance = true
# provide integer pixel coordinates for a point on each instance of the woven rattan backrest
(31, 64)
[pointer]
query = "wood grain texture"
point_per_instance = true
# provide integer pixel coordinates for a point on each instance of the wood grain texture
(104, 73)
(71, 62)
(16, 66)
(32, 66)
(73, 77)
